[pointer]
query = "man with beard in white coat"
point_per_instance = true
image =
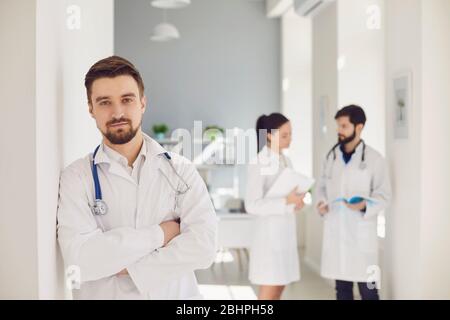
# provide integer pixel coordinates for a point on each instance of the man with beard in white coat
(134, 221)
(353, 189)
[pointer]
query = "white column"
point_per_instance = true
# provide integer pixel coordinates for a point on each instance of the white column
(435, 151)
(18, 194)
(361, 64)
(296, 66)
(297, 86)
(82, 45)
(418, 220)
(325, 96)
(403, 48)
(46, 125)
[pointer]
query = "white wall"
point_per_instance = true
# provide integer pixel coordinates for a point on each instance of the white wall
(418, 221)
(18, 249)
(296, 96)
(403, 32)
(296, 83)
(48, 146)
(361, 78)
(82, 48)
(224, 70)
(47, 127)
(325, 92)
(435, 186)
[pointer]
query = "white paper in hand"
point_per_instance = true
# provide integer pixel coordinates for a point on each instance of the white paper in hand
(287, 181)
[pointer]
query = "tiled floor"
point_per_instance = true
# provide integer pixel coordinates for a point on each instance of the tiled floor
(227, 279)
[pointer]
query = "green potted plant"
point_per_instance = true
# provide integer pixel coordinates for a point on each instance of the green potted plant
(211, 132)
(160, 130)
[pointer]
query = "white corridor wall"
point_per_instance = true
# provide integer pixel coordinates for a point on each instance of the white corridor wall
(44, 59)
(418, 221)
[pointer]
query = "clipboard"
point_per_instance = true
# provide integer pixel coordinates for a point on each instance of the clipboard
(287, 181)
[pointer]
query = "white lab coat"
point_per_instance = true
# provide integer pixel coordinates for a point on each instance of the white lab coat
(350, 242)
(273, 253)
(132, 238)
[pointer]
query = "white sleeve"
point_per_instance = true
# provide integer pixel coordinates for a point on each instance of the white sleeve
(380, 190)
(255, 202)
(97, 254)
(195, 247)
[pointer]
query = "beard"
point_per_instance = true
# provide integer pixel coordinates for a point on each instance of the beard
(345, 140)
(122, 135)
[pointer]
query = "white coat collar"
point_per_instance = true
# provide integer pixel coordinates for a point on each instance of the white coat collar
(266, 151)
(358, 149)
(117, 157)
(151, 149)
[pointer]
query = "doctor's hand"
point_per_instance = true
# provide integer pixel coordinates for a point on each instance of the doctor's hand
(357, 206)
(171, 229)
(296, 199)
(322, 208)
(301, 203)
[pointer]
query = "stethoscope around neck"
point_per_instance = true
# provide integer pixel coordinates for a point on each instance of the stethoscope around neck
(362, 165)
(100, 208)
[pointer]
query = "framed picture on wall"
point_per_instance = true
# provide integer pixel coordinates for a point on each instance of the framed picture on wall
(402, 101)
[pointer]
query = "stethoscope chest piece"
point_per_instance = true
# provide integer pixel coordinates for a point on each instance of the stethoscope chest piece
(100, 208)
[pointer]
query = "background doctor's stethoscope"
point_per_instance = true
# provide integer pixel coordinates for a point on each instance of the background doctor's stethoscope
(329, 166)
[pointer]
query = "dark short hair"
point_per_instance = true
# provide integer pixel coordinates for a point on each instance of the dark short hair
(355, 113)
(112, 67)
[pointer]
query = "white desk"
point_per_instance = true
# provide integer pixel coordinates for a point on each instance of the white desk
(235, 230)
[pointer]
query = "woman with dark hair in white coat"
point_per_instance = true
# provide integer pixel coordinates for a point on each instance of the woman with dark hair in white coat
(273, 254)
